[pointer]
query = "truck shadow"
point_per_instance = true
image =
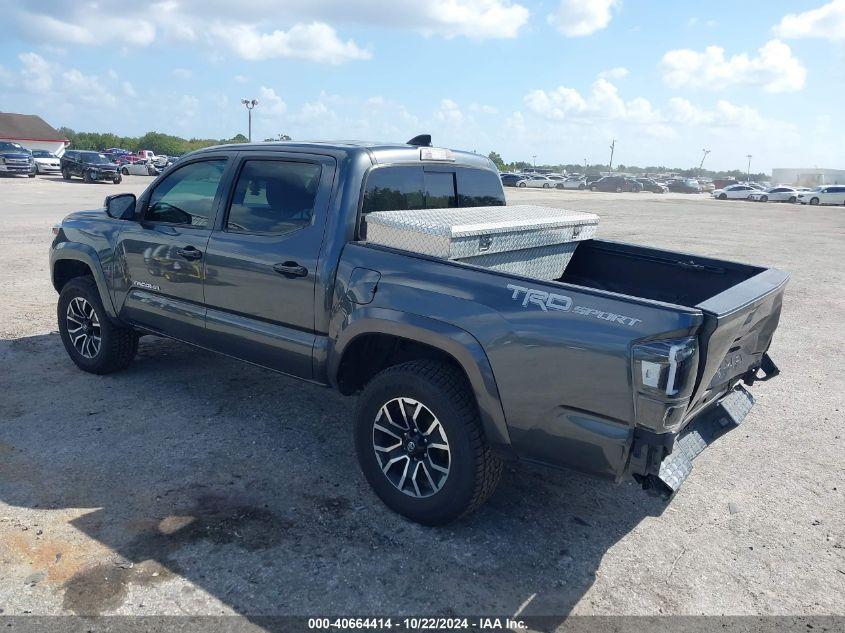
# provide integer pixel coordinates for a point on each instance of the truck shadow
(192, 467)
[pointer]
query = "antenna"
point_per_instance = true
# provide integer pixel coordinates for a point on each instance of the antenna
(421, 140)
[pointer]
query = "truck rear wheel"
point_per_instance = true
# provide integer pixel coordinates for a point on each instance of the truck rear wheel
(420, 444)
(93, 342)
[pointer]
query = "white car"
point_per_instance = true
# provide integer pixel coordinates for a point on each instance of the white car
(46, 162)
(573, 183)
(536, 180)
(776, 194)
(139, 169)
(734, 192)
(829, 194)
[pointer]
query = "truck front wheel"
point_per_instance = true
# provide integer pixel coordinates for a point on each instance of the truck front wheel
(93, 342)
(420, 443)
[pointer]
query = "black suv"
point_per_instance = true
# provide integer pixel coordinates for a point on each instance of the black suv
(90, 166)
(617, 184)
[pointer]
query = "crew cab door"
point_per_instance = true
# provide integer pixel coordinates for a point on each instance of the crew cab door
(262, 257)
(161, 255)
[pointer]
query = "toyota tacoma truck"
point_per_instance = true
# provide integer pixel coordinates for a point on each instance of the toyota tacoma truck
(625, 367)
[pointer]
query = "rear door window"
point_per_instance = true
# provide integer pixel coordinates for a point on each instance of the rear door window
(273, 196)
(479, 188)
(394, 188)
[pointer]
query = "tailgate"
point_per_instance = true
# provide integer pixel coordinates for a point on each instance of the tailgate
(737, 331)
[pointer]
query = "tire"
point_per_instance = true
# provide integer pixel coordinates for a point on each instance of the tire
(86, 176)
(31, 175)
(764, 199)
(814, 201)
(117, 179)
(521, 185)
(117, 346)
(37, 169)
(581, 187)
(793, 199)
(65, 174)
(593, 189)
(445, 397)
(124, 171)
(722, 196)
(545, 185)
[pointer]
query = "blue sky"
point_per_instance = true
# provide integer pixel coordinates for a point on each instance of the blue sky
(557, 79)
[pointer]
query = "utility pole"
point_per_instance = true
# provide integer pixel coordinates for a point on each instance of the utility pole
(612, 147)
(748, 171)
(534, 160)
(701, 164)
(250, 104)
(585, 168)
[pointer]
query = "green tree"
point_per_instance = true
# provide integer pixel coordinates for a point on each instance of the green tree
(497, 160)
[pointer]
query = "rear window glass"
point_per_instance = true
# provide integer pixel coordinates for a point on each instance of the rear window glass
(479, 188)
(404, 188)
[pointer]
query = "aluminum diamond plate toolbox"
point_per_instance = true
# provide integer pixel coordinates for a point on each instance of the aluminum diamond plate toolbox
(526, 240)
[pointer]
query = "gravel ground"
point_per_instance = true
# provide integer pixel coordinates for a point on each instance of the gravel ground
(193, 484)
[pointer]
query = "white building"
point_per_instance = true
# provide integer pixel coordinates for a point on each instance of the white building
(808, 177)
(32, 132)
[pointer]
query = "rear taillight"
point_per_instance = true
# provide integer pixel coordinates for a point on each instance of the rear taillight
(664, 377)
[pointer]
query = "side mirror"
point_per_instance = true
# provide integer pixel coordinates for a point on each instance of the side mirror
(120, 206)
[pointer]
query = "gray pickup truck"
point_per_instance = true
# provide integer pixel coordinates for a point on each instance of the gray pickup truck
(627, 366)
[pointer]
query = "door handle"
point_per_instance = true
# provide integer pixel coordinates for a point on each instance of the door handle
(290, 269)
(189, 252)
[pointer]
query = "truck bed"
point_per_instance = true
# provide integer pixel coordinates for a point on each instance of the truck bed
(647, 273)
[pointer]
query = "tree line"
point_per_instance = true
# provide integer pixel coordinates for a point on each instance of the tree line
(692, 172)
(159, 143)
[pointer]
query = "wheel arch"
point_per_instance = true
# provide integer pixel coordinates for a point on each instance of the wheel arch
(376, 338)
(71, 259)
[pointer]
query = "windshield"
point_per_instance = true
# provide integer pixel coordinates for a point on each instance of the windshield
(94, 159)
(42, 153)
(7, 146)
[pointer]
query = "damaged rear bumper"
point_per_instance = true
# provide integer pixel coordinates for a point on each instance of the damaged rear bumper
(662, 461)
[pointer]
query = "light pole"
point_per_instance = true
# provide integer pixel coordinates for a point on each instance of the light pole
(748, 171)
(612, 147)
(250, 104)
(534, 160)
(701, 164)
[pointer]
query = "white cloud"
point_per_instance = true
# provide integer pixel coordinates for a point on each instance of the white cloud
(576, 18)
(270, 103)
(317, 42)
(619, 72)
(774, 68)
(240, 79)
(449, 112)
(129, 89)
(182, 73)
(36, 73)
(88, 88)
(478, 19)
(828, 22)
(483, 108)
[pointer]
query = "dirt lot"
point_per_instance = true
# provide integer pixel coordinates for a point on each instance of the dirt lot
(192, 484)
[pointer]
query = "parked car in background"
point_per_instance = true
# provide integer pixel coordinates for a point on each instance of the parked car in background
(775, 194)
(687, 185)
(721, 183)
(90, 166)
(573, 182)
(706, 185)
(512, 180)
(734, 192)
(617, 184)
(591, 178)
(538, 181)
(652, 185)
(831, 194)
(139, 169)
(15, 160)
(45, 162)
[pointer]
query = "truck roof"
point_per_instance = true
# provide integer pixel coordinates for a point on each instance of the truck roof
(385, 153)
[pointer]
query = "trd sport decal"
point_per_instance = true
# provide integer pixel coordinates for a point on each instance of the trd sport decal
(550, 301)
